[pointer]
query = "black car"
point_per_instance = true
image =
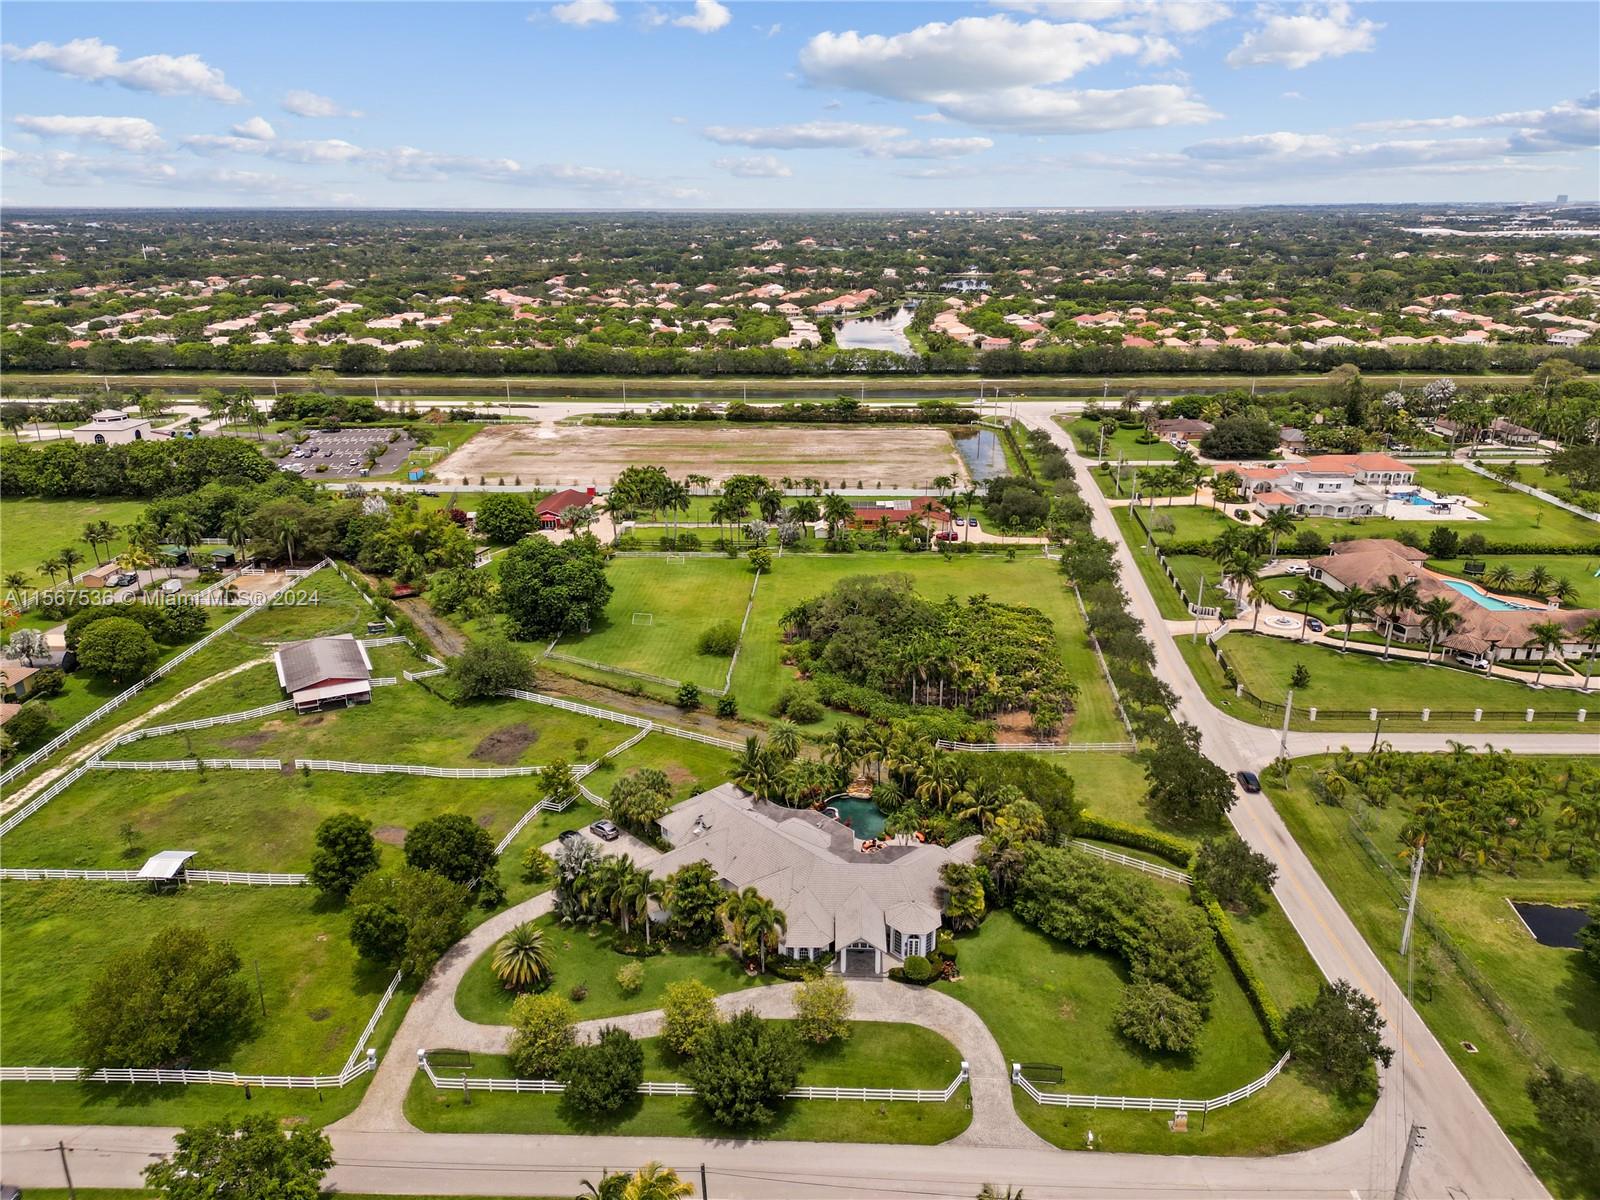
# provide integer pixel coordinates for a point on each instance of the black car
(1249, 781)
(570, 837)
(604, 830)
(1314, 625)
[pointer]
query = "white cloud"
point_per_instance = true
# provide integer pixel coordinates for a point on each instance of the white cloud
(584, 12)
(1300, 40)
(755, 166)
(806, 135)
(126, 133)
(952, 147)
(1567, 123)
(1175, 16)
(163, 74)
(308, 104)
(996, 72)
(258, 128)
(708, 17)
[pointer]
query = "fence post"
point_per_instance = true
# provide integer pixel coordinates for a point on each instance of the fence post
(1313, 713)
(1477, 714)
(1583, 715)
(1372, 714)
(1529, 716)
(1425, 713)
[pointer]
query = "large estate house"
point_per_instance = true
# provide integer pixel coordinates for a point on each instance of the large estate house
(1332, 485)
(1492, 629)
(871, 911)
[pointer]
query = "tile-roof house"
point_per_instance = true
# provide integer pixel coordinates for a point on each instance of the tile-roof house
(549, 509)
(870, 910)
(324, 671)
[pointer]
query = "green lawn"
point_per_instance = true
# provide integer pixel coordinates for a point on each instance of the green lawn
(680, 603)
(36, 529)
(691, 767)
(878, 1054)
(1125, 443)
(450, 435)
(1360, 681)
(1583, 573)
(1513, 516)
(1108, 785)
(585, 956)
(57, 936)
(1546, 988)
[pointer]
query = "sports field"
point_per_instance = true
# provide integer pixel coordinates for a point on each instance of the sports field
(659, 608)
(572, 455)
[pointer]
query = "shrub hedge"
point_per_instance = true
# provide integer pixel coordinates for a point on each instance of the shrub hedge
(1266, 1007)
(1153, 841)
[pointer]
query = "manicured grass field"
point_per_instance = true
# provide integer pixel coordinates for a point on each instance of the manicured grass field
(680, 603)
(1361, 681)
(691, 767)
(1124, 443)
(877, 1055)
(1576, 569)
(57, 936)
(1513, 516)
(35, 529)
(586, 956)
(1047, 1002)
(1546, 988)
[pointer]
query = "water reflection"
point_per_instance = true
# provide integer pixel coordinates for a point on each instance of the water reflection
(885, 332)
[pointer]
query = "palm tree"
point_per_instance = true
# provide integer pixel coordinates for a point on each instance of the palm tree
(836, 511)
(757, 922)
(938, 781)
(1538, 581)
(1440, 619)
(1589, 632)
(70, 557)
(16, 580)
(785, 739)
(1353, 603)
(183, 530)
(1562, 590)
(630, 893)
(1278, 522)
(842, 752)
(90, 536)
(1393, 597)
(51, 567)
(1546, 636)
(1502, 577)
(236, 528)
(520, 960)
(748, 763)
(968, 498)
(284, 533)
(1307, 591)
(12, 419)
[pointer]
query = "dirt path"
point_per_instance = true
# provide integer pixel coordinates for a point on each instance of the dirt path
(81, 755)
(446, 639)
(570, 688)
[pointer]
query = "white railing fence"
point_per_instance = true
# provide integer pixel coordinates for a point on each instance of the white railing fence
(1035, 747)
(413, 676)
(547, 1086)
(394, 639)
(359, 768)
(35, 874)
(233, 718)
(372, 1023)
(184, 764)
(251, 878)
(162, 1075)
(1127, 860)
(1530, 490)
(43, 798)
(622, 718)
(1146, 1103)
(543, 806)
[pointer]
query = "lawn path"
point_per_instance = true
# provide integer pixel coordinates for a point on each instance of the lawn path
(84, 753)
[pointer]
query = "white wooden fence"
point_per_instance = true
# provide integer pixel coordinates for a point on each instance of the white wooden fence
(1034, 747)
(548, 1086)
(1530, 490)
(251, 878)
(413, 676)
(43, 798)
(394, 639)
(185, 764)
(233, 718)
(372, 1024)
(40, 873)
(622, 718)
(359, 768)
(1127, 860)
(116, 702)
(161, 1075)
(1146, 1103)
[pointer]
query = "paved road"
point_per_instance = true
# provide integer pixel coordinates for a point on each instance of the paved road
(1466, 1153)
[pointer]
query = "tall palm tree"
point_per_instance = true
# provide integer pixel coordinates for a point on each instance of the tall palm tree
(1393, 597)
(284, 534)
(16, 580)
(842, 750)
(1546, 636)
(784, 739)
(70, 557)
(1353, 603)
(1588, 632)
(1440, 619)
(1307, 591)
(51, 567)
(836, 511)
(520, 960)
(236, 528)
(656, 1182)
(90, 536)
(183, 530)
(938, 781)
(748, 763)
(758, 924)
(968, 498)
(1278, 522)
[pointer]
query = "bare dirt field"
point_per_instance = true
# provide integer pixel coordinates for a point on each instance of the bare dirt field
(581, 455)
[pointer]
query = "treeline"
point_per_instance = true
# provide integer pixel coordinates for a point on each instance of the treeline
(844, 410)
(169, 467)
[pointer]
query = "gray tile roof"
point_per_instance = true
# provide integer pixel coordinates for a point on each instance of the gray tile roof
(303, 665)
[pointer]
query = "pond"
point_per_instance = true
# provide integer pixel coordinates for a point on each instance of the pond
(1551, 924)
(983, 453)
(885, 332)
(862, 816)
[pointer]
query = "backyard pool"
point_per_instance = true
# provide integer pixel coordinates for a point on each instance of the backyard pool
(862, 816)
(1480, 597)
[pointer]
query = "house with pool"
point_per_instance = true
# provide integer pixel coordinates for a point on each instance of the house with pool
(1330, 485)
(1493, 628)
(870, 910)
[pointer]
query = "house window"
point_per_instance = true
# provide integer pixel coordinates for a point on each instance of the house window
(895, 943)
(913, 944)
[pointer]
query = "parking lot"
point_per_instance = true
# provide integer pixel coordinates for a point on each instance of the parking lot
(344, 453)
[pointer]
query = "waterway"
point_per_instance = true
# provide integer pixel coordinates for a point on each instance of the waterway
(884, 332)
(982, 451)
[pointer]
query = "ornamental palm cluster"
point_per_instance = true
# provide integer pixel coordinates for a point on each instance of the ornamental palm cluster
(594, 889)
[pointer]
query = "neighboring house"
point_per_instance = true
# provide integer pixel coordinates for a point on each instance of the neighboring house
(1568, 337)
(552, 506)
(1182, 427)
(1293, 439)
(1498, 634)
(1511, 433)
(324, 672)
(871, 911)
(112, 427)
(898, 512)
(16, 682)
(1330, 485)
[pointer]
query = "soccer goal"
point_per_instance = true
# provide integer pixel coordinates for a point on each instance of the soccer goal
(644, 618)
(676, 560)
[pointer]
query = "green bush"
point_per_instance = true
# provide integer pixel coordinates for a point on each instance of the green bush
(630, 978)
(917, 969)
(720, 640)
(1266, 1008)
(1153, 841)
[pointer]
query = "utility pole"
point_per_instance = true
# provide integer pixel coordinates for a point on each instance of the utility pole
(1413, 1142)
(61, 1148)
(1199, 603)
(704, 1194)
(1283, 738)
(1411, 902)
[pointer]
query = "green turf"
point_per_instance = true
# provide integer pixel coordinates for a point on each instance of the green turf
(1577, 569)
(57, 936)
(1545, 988)
(680, 602)
(1129, 444)
(1108, 785)
(585, 956)
(1360, 681)
(35, 529)
(878, 1054)
(691, 767)
(1513, 516)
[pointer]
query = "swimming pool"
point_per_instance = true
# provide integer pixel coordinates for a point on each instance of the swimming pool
(862, 816)
(1481, 598)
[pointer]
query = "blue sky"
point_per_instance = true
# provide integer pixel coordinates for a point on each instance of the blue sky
(714, 103)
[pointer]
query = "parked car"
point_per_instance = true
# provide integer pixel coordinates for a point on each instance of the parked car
(604, 830)
(1297, 568)
(944, 535)
(1241, 514)
(426, 492)
(1466, 658)
(960, 520)
(1315, 625)
(569, 837)
(972, 522)
(1249, 781)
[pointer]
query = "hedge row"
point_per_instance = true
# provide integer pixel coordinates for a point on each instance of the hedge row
(1152, 841)
(1266, 1007)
